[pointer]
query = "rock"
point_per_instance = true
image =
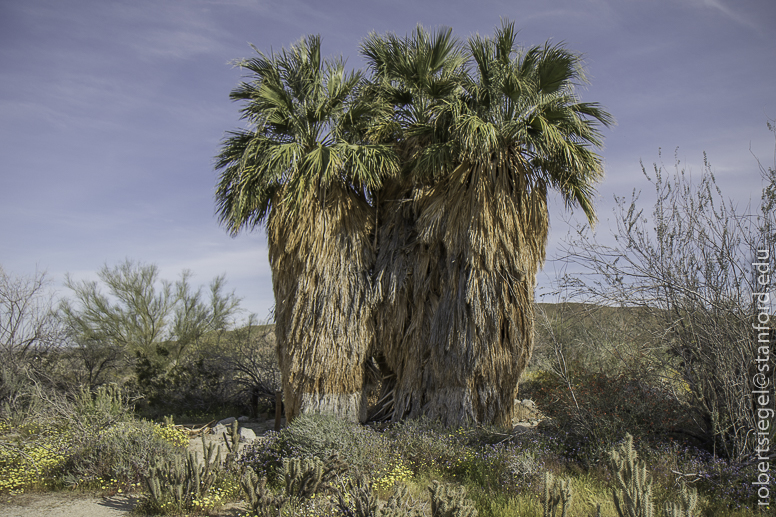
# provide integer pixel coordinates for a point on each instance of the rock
(219, 429)
(530, 404)
(226, 421)
(247, 435)
(243, 419)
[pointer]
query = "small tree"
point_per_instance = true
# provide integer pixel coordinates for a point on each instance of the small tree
(141, 321)
(689, 266)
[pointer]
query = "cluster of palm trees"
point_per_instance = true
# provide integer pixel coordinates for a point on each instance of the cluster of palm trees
(406, 214)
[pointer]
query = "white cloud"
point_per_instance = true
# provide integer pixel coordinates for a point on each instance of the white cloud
(735, 14)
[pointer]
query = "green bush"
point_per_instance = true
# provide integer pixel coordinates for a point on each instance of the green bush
(322, 435)
(427, 446)
(121, 452)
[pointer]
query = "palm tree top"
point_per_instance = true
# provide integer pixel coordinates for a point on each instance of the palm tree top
(519, 107)
(525, 100)
(305, 134)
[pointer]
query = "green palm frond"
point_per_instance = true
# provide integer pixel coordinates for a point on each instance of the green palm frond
(522, 102)
(307, 117)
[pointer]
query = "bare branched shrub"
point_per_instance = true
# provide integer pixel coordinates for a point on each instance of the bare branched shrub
(252, 362)
(29, 337)
(689, 267)
(597, 375)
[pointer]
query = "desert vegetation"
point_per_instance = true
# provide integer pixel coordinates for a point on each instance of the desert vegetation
(639, 374)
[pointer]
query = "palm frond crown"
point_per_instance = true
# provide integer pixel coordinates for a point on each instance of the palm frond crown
(306, 132)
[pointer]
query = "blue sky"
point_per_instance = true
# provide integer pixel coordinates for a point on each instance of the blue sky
(111, 112)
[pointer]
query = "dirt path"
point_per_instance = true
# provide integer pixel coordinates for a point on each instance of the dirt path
(76, 505)
(66, 505)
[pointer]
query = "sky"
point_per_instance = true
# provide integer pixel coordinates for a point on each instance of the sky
(111, 113)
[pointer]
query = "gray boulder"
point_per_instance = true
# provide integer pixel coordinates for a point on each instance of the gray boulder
(247, 435)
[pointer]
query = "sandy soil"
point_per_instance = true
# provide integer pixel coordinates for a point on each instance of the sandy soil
(66, 505)
(71, 505)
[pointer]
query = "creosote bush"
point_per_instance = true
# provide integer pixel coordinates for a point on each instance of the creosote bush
(686, 265)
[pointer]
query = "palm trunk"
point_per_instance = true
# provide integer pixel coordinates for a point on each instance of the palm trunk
(456, 316)
(398, 277)
(320, 256)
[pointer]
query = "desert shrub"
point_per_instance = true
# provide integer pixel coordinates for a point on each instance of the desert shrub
(322, 435)
(425, 445)
(250, 358)
(171, 434)
(31, 455)
(122, 452)
(690, 266)
(596, 409)
(236, 369)
(30, 335)
(522, 468)
(386, 475)
(144, 324)
(726, 483)
(197, 383)
(264, 457)
(483, 467)
(82, 439)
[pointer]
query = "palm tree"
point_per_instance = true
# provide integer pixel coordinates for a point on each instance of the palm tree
(488, 155)
(415, 76)
(303, 168)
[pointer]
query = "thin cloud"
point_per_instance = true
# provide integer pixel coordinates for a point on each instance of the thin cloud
(737, 16)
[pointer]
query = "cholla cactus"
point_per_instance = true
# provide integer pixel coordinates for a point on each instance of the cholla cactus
(234, 438)
(359, 500)
(447, 501)
(305, 477)
(401, 504)
(203, 474)
(182, 481)
(686, 507)
(556, 492)
(261, 500)
(633, 494)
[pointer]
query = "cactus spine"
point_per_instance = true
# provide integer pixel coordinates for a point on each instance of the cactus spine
(358, 499)
(261, 500)
(688, 499)
(181, 481)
